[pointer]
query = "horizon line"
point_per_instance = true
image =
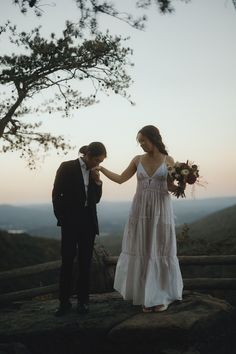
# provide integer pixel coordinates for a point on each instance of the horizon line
(115, 201)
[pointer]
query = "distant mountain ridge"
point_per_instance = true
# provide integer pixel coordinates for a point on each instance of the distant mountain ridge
(211, 235)
(216, 226)
(25, 217)
(24, 250)
(39, 220)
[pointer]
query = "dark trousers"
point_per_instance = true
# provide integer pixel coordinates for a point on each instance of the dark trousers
(77, 239)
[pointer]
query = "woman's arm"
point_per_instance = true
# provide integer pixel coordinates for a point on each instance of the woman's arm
(173, 188)
(170, 183)
(125, 175)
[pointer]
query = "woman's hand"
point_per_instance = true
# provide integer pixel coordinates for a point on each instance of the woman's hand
(177, 191)
(96, 175)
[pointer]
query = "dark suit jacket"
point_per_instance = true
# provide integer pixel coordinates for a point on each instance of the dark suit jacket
(68, 195)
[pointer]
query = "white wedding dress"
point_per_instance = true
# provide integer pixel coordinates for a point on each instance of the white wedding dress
(148, 270)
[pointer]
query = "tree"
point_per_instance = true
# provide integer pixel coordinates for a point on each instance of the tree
(89, 9)
(54, 64)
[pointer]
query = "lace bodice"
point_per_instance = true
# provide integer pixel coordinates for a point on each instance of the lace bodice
(157, 182)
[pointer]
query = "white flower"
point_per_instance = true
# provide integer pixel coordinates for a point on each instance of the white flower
(185, 172)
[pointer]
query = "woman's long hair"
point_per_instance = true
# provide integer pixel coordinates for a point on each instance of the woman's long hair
(152, 133)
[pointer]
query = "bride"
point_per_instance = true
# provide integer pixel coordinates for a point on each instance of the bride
(148, 270)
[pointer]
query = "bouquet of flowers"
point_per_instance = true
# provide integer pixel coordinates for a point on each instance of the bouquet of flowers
(184, 173)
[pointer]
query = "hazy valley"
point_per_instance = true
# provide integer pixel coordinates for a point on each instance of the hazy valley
(206, 226)
(39, 220)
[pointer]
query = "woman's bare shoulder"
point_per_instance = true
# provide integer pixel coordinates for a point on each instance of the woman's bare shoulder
(136, 159)
(169, 160)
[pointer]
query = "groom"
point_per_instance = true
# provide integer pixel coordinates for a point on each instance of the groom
(77, 189)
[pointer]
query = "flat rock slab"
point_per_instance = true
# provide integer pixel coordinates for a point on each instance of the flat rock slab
(198, 324)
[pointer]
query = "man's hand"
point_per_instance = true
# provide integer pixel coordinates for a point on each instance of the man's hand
(96, 175)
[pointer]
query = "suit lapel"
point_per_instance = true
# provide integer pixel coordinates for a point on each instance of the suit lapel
(79, 176)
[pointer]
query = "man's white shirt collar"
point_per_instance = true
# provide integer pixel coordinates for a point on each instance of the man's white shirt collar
(83, 164)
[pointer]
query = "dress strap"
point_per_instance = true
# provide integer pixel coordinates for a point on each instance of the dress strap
(138, 161)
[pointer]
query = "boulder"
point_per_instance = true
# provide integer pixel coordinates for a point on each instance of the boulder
(13, 348)
(199, 324)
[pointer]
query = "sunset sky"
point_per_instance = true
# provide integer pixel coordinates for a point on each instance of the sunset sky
(184, 83)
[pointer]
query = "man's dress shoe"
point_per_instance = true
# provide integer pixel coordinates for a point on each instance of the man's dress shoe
(63, 309)
(82, 308)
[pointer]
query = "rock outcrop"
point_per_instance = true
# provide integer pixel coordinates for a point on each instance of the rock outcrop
(200, 324)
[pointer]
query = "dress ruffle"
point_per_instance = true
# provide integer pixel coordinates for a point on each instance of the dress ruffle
(148, 282)
(148, 271)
